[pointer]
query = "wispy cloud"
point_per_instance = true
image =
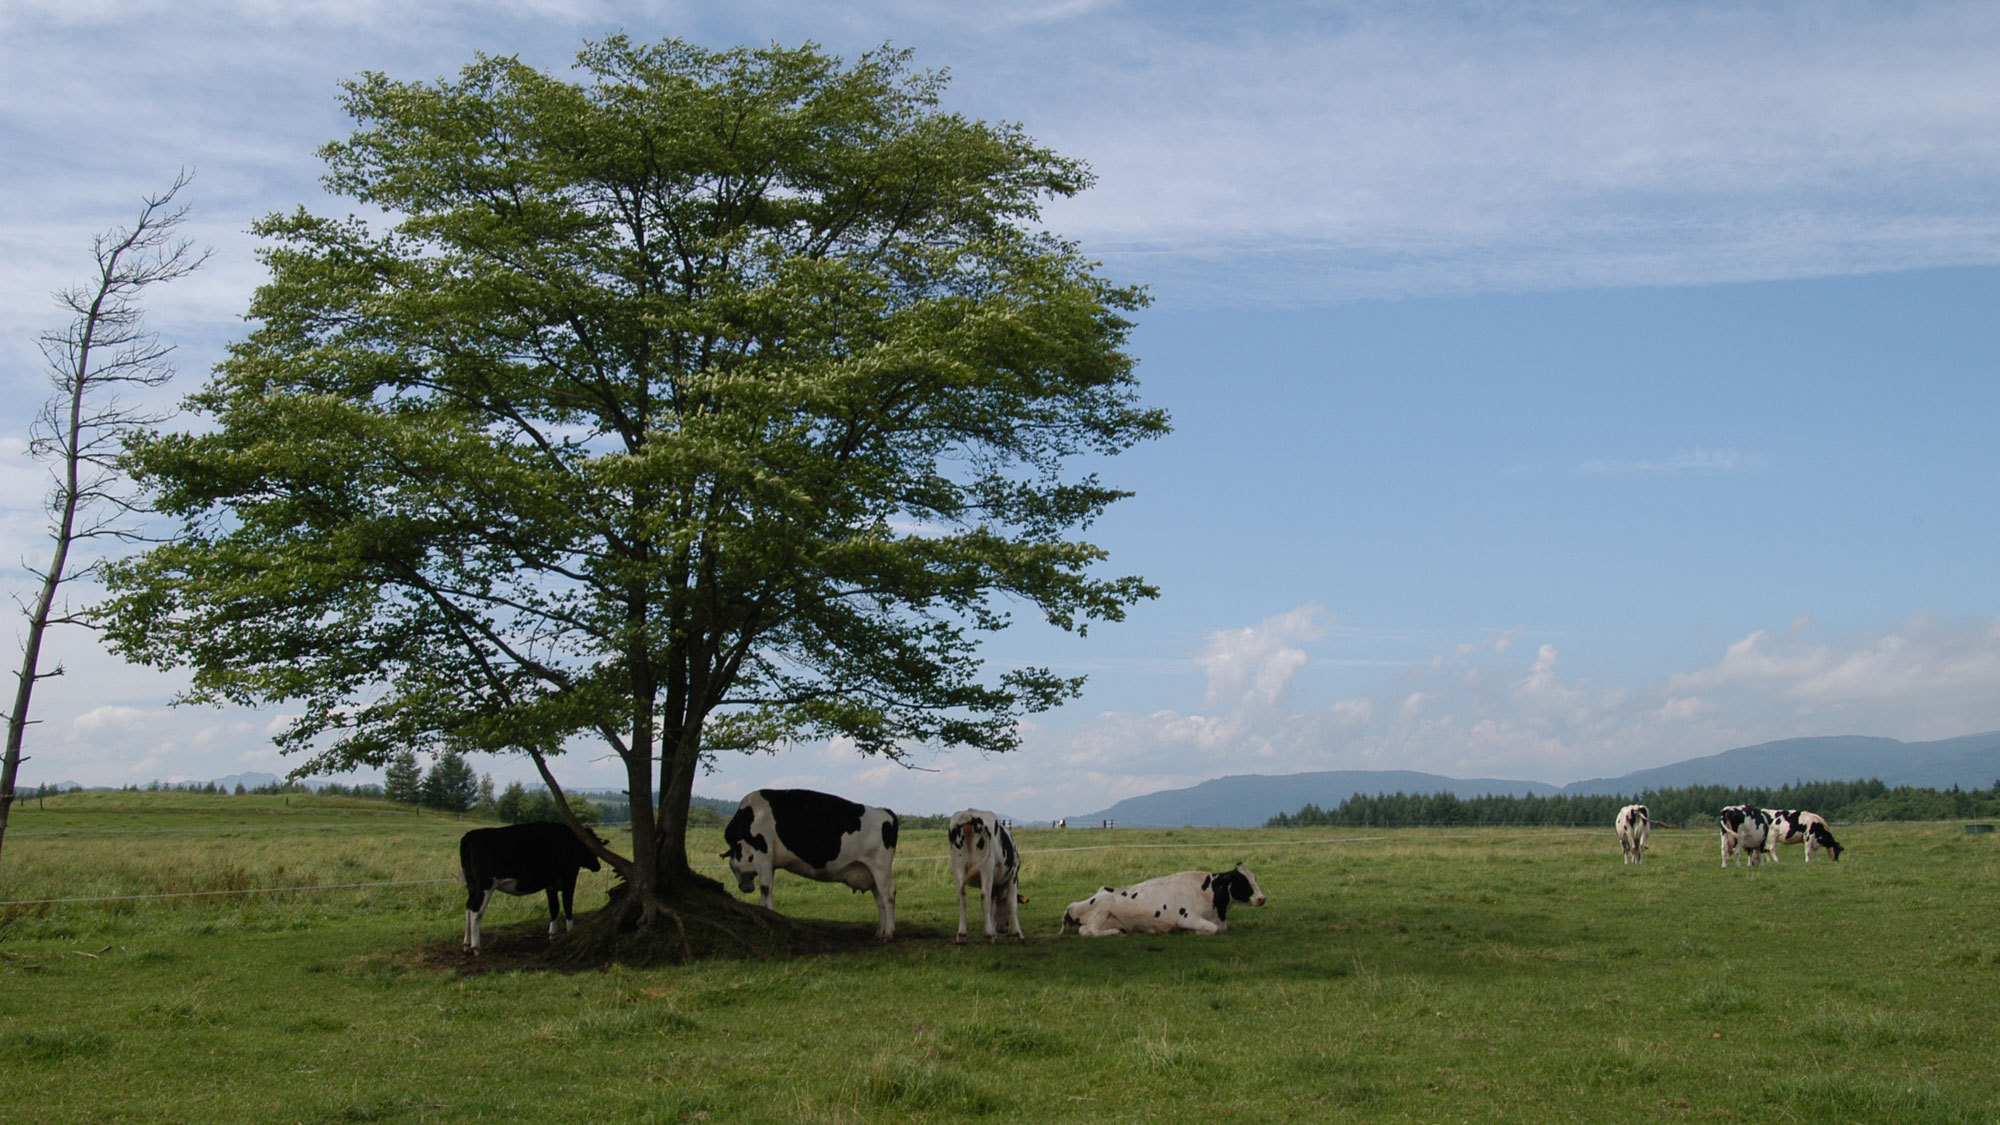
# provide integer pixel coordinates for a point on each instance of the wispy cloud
(1687, 462)
(1274, 153)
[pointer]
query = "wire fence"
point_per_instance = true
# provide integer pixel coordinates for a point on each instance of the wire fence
(1239, 844)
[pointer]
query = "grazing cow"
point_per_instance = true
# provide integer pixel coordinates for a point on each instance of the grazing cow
(1062, 822)
(1746, 834)
(983, 854)
(1795, 826)
(819, 836)
(520, 859)
(1634, 826)
(1189, 900)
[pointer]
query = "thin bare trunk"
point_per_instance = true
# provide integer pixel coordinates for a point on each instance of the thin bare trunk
(104, 346)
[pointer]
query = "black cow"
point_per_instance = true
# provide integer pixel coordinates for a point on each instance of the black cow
(520, 859)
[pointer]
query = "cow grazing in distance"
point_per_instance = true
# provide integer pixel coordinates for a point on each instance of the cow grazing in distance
(819, 836)
(520, 859)
(1188, 900)
(1746, 834)
(1796, 826)
(1634, 826)
(983, 855)
(1062, 822)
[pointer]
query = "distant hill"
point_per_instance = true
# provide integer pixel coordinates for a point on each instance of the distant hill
(246, 780)
(1971, 762)
(1248, 800)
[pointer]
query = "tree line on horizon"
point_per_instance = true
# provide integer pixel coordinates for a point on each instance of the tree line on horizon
(1693, 805)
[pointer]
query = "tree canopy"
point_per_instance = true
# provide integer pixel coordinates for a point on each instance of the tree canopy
(714, 401)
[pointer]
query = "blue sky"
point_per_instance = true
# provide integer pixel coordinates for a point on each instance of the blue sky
(1560, 389)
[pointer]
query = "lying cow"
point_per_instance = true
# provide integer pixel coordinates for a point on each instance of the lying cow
(1795, 826)
(819, 836)
(1746, 834)
(1634, 826)
(983, 855)
(1189, 900)
(520, 859)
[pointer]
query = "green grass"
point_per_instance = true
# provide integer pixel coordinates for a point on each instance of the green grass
(1416, 975)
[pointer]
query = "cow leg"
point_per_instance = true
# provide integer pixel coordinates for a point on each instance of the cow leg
(555, 910)
(569, 902)
(472, 918)
(961, 913)
(885, 903)
(1014, 908)
(986, 906)
(1202, 925)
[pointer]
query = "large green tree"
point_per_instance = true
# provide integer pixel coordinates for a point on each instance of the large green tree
(709, 403)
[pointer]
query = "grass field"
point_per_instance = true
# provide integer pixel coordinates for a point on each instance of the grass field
(1415, 975)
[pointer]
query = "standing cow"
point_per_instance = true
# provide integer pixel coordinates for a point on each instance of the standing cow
(1188, 900)
(1796, 826)
(819, 836)
(520, 859)
(983, 855)
(1746, 834)
(1634, 826)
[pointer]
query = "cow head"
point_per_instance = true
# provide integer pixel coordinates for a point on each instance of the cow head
(1075, 912)
(1824, 839)
(743, 848)
(587, 858)
(1234, 885)
(742, 857)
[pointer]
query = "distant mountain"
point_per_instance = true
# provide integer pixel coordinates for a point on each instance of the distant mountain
(246, 780)
(1248, 800)
(1971, 762)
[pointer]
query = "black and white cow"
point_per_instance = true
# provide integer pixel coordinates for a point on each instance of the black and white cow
(983, 855)
(520, 859)
(819, 836)
(1187, 900)
(1634, 827)
(1796, 826)
(1746, 834)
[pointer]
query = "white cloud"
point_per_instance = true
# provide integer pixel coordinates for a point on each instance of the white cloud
(1253, 667)
(1924, 664)
(1475, 711)
(98, 720)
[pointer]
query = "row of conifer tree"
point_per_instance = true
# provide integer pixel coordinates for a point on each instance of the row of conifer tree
(1690, 806)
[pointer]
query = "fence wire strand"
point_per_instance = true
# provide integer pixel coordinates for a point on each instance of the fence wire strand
(717, 867)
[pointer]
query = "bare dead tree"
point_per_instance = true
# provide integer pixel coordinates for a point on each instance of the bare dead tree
(105, 350)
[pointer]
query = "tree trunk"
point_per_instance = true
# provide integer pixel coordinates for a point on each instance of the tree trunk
(38, 623)
(677, 771)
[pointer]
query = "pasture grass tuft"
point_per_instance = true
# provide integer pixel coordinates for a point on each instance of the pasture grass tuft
(56, 1044)
(923, 1086)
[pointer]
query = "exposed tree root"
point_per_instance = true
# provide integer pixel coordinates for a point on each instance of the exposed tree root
(692, 923)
